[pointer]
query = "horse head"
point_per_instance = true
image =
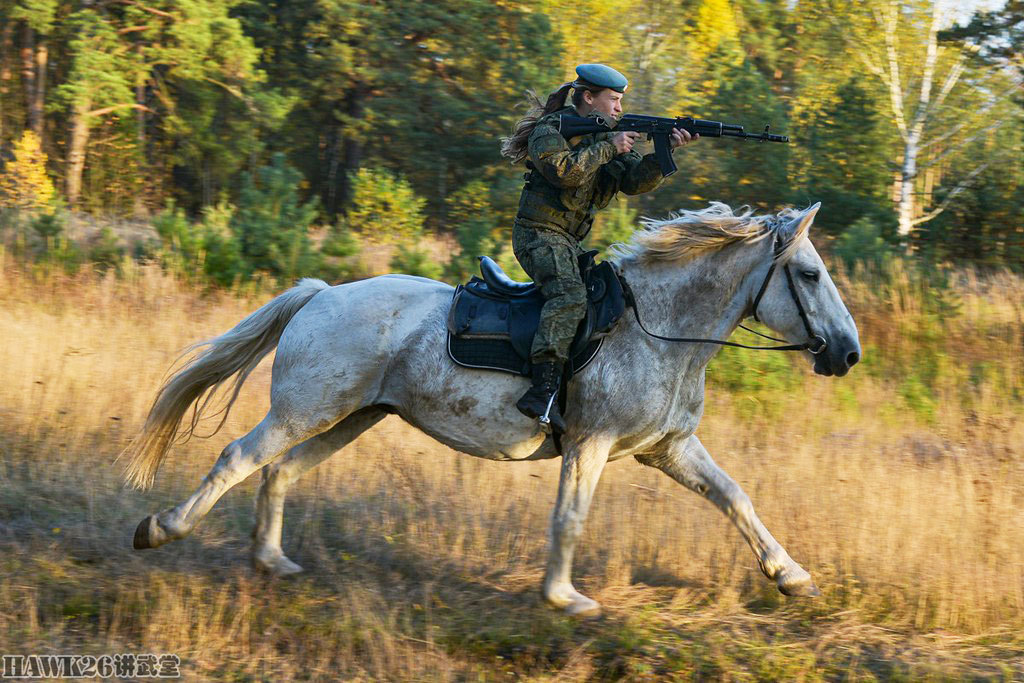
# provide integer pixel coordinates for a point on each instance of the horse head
(798, 299)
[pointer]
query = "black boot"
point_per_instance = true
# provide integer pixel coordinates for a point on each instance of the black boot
(534, 403)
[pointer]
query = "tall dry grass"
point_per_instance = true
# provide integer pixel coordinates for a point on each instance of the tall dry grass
(898, 487)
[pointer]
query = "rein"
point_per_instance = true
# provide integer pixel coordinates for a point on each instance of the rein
(815, 346)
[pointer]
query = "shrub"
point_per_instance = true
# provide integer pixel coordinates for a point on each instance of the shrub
(414, 260)
(181, 245)
(49, 226)
(475, 238)
(343, 250)
(24, 183)
(385, 209)
(222, 258)
(612, 226)
(105, 252)
(272, 224)
(863, 242)
(469, 210)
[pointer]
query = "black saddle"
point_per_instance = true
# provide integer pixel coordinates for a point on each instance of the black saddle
(493, 318)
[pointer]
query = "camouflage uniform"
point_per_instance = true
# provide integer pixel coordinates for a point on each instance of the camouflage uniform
(569, 182)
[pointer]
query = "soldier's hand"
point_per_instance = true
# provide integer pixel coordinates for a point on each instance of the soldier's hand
(681, 137)
(625, 140)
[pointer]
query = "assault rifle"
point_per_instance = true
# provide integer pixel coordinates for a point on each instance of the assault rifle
(659, 129)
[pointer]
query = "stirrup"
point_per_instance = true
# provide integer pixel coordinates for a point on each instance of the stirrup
(545, 420)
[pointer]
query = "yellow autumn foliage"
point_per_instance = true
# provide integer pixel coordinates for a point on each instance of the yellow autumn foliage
(24, 183)
(715, 24)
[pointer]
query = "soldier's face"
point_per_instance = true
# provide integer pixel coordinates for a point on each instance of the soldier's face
(607, 102)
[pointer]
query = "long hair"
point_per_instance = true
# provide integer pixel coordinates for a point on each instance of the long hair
(514, 146)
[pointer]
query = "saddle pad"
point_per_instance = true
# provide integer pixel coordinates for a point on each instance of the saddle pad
(491, 329)
(500, 355)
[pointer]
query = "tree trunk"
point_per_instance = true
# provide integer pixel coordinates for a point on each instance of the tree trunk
(139, 201)
(39, 96)
(76, 151)
(351, 148)
(908, 173)
(140, 117)
(442, 187)
(331, 160)
(28, 75)
(914, 133)
(5, 73)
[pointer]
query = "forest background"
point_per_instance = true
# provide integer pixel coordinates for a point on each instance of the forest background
(168, 166)
(233, 138)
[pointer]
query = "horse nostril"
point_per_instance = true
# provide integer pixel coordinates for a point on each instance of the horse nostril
(852, 358)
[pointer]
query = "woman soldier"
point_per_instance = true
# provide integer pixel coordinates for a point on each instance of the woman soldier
(567, 184)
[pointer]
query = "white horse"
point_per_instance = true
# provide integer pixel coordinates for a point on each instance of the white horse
(351, 354)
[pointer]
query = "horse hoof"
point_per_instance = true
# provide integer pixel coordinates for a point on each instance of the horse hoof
(801, 589)
(146, 534)
(572, 602)
(583, 608)
(277, 565)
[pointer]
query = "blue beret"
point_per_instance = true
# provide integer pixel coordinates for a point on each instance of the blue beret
(601, 76)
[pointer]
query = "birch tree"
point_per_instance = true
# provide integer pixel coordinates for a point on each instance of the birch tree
(939, 100)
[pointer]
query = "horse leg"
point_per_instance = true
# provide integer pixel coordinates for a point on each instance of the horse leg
(688, 462)
(280, 475)
(582, 465)
(238, 460)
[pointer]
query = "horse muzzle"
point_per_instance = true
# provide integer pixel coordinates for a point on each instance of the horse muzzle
(837, 357)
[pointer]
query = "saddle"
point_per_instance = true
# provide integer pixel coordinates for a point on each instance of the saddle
(493, 319)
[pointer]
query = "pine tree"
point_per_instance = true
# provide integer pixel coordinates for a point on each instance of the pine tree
(222, 260)
(272, 223)
(185, 64)
(428, 88)
(849, 172)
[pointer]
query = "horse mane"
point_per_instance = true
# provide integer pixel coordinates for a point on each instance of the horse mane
(686, 234)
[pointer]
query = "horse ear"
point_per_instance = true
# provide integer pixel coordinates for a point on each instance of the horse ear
(806, 219)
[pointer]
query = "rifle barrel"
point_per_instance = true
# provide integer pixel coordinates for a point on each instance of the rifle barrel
(659, 126)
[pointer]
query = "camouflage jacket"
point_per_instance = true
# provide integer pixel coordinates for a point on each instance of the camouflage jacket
(571, 180)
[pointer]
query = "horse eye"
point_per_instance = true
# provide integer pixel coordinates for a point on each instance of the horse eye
(811, 275)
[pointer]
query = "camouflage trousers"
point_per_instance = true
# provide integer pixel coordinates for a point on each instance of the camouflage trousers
(550, 259)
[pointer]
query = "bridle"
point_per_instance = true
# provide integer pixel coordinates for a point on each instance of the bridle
(816, 344)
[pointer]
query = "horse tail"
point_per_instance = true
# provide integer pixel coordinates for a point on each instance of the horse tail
(236, 352)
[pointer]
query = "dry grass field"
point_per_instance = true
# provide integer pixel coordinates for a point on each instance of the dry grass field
(899, 487)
